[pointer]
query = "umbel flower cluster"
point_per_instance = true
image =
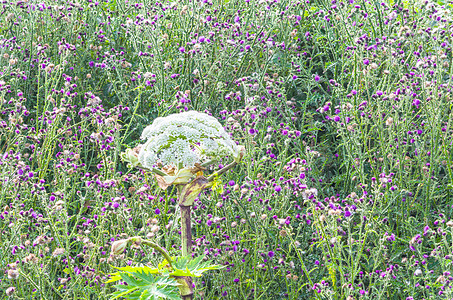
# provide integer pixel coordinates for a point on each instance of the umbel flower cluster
(182, 140)
(181, 143)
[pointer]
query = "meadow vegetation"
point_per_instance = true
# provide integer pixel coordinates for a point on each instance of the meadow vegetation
(344, 108)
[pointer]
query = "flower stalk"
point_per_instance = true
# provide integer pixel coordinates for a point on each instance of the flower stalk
(119, 246)
(160, 250)
(186, 230)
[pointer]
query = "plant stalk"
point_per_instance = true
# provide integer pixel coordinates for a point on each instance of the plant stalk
(186, 288)
(160, 250)
(186, 231)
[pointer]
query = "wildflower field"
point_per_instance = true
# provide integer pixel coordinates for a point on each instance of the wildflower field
(226, 149)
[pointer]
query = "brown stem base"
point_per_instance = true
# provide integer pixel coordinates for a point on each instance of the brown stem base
(185, 287)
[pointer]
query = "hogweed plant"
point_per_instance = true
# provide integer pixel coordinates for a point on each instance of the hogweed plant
(177, 150)
(345, 108)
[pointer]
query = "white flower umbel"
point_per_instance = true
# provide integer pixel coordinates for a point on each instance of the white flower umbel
(182, 140)
(179, 144)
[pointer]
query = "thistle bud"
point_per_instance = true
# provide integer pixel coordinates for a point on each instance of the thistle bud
(13, 274)
(389, 122)
(10, 291)
(118, 247)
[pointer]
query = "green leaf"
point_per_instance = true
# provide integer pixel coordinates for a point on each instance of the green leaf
(157, 280)
(144, 286)
(156, 294)
(164, 264)
(186, 272)
(129, 279)
(143, 269)
(185, 266)
(116, 276)
(122, 291)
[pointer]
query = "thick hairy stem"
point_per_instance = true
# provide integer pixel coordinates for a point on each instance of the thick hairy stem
(186, 231)
(186, 288)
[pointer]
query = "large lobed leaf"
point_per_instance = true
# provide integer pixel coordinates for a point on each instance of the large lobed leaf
(186, 266)
(145, 269)
(144, 286)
